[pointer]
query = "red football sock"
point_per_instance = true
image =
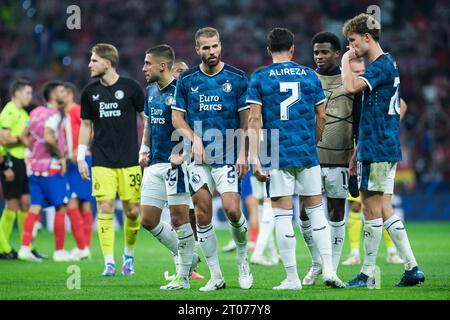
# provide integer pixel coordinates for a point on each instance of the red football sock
(60, 230)
(88, 222)
(253, 234)
(28, 225)
(76, 220)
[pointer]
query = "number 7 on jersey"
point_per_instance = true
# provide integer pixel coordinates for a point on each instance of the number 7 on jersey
(294, 98)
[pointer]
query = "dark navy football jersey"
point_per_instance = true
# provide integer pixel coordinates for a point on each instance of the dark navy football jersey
(212, 104)
(158, 110)
(379, 127)
(288, 94)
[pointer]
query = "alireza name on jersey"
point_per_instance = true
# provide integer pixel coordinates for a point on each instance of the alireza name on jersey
(287, 72)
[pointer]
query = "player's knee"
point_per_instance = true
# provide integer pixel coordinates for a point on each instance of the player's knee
(232, 210)
(106, 206)
(149, 222)
(12, 204)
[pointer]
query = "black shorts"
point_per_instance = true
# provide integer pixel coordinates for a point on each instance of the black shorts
(19, 186)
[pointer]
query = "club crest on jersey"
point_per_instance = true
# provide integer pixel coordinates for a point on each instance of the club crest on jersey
(170, 100)
(227, 87)
(195, 178)
(119, 94)
(95, 97)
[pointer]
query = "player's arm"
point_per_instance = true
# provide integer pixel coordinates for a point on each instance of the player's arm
(403, 108)
(84, 139)
(352, 84)
(145, 146)
(7, 139)
(254, 136)
(180, 124)
(51, 126)
(321, 119)
(242, 162)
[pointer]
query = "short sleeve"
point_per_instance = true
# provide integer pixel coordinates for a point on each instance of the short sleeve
(319, 93)
(146, 111)
(253, 91)
(53, 122)
(375, 74)
(180, 97)
(242, 94)
(6, 119)
(138, 98)
(86, 107)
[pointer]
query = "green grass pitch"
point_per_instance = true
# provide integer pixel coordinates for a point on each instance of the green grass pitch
(47, 280)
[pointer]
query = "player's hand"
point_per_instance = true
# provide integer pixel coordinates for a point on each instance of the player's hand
(242, 166)
(350, 54)
(9, 175)
(63, 165)
(198, 151)
(83, 169)
(352, 168)
(259, 174)
(143, 159)
(176, 160)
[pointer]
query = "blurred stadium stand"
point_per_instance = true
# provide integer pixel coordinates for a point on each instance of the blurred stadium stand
(35, 43)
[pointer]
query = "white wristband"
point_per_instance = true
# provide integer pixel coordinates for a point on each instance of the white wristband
(82, 148)
(144, 149)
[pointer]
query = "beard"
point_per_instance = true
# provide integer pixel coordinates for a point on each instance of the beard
(211, 62)
(99, 74)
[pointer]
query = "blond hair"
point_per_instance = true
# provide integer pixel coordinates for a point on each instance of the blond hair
(362, 24)
(107, 51)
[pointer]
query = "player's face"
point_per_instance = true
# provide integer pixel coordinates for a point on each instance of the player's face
(359, 42)
(60, 94)
(24, 95)
(152, 68)
(209, 50)
(325, 56)
(69, 96)
(178, 69)
(357, 66)
(98, 66)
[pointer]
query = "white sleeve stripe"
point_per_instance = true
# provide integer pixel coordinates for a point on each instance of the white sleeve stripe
(366, 81)
(243, 108)
(253, 102)
(321, 101)
(178, 109)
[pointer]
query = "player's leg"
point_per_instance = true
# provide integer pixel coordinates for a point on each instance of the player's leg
(226, 180)
(281, 189)
(23, 209)
(193, 221)
(77, 225)
(105, 187)
(308, 184)
(9, 216)
(316, 261)
(354, 226)
(266, 227)
(392, 255)
(129, 191)
(372, 182)
(394, 225)
(85, 208)
(336, 209)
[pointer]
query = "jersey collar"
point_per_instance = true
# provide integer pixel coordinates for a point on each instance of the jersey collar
(211, 75)
(333, 72)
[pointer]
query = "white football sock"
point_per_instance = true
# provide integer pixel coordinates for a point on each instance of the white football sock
(321, 235)
(186, 244)
(239, 231)
(266, 225)
(305, 227)
(208, 242)
(398, 234)
(337, 241)
(286, 241)
(373, 230)
(167, 236)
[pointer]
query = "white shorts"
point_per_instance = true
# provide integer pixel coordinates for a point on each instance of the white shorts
(162, 185)
(335, 182)
(377, 176)
(221, 178)
(288, 181)
(258, 188)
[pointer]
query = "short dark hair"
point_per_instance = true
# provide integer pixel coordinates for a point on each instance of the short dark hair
(329, 37)
(49, 87)
(18, 85)
(71, 87)
(280, 39)
(362, 24)
(163, 51)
